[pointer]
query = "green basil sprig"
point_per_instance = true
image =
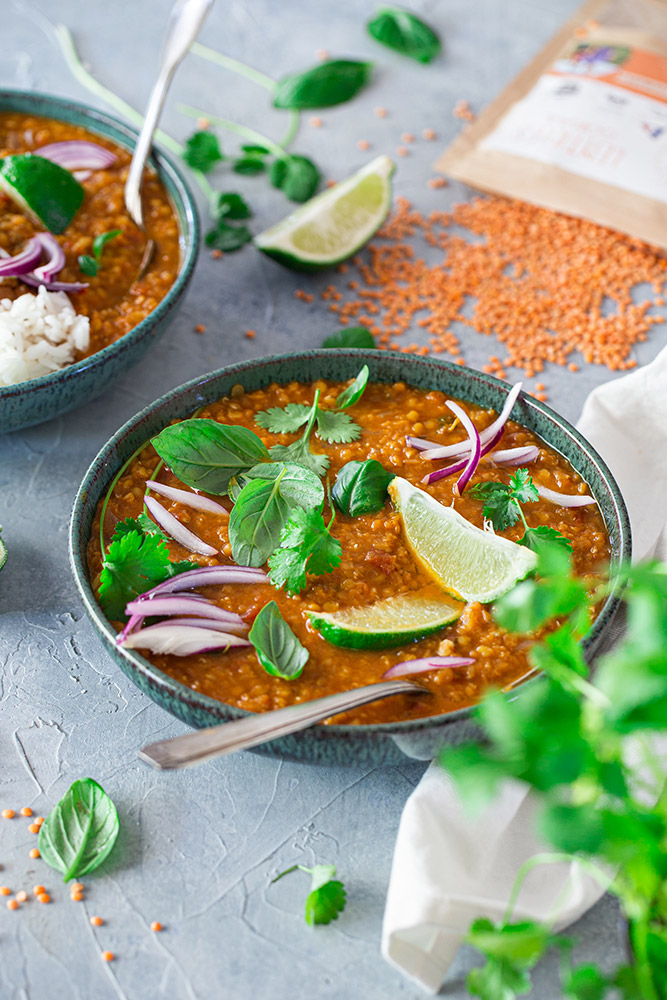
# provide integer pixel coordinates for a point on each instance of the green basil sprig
(297, 484)
(329, 83)
(361, 488)
(80, 830)
(278, 649)
(206, 455)
(351, 336)
(406, 33)
(296, 176)
(256, 521)
(354, 391)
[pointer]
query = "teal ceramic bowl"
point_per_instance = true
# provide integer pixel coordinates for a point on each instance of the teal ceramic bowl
(47, 396)
(385, 743)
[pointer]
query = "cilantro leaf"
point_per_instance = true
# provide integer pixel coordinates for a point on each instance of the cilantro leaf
(134, 563)
(499, 506)
(299, 451)
(101, 241)
(498, 980)
(349, 336)
(585, 983)
(353, 393)
(229, 205)
(202, 151)
(143, 523)
(296, 176)
(534, 538)
(88, 265)
(327, 896)
(277, 648)
(306, 545)
(522, 487)
(336, 427)
(227, 238)
(284, 419)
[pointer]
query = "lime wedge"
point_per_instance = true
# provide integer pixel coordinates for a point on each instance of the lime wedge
(334, 224)
(471, 564)
(3, 552)
(49, 194)
(391, 622)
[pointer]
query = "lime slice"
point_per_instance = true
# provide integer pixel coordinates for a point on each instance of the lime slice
(46, 192)
(334, 224)
(3, 552)
(471, 564)
(391, 622)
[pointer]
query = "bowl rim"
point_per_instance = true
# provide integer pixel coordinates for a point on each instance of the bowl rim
(189, 229)
(221, 711)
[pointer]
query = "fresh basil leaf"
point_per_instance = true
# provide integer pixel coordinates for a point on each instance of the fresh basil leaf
(249, 166)
(351, 336)
(298, 485)
(229, 205)
(205, 454)
(353, 393)
(361, 488)
(326, 84)
(135, 562)
(296, 176)
(227, 238)
(284, 419)
(336, 427)
(406, 33)
(278, 649)
(101, 241)
(80, 831)
(202, 151)
(256, 521)
(87, 265)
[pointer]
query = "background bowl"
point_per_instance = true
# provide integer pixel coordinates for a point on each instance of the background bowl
(47, 396)
(384, 743)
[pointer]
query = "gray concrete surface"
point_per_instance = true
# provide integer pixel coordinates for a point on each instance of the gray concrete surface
(198, 849)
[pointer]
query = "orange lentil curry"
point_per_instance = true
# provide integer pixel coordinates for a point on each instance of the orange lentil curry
(376, 561)
(115, 301)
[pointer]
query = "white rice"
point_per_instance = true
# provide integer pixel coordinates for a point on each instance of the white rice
(38, 334)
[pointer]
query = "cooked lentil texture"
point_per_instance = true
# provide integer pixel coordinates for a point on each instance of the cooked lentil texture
(115, 301)
(376, 561)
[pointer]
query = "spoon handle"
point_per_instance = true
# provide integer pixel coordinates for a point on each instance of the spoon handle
(185, 20)
(253, 730)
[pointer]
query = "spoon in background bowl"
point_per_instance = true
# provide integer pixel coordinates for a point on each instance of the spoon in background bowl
(214, 741)
(185, 20)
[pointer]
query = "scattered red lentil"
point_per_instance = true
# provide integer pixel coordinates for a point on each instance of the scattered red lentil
(38, 890)
(363, 144)
(430, 134)
(108, 956)
(39, 820)
(12, 904)
(407, 137)
(44, 897)
(34, 852)
(156, 926)
(34, 827)
(26, 811)
(315, 122)
(21, 896)
(203, 123)
(380, 112)
(303, 296)
(5, 890)
(216, 254)
(330, 183)
(437, 182)
(8, 814)
(401, 151)
(77, 887)
(250, 334)
(96, 921)
(462, 110)
(322, 54)
(200, 328)
(76, 897)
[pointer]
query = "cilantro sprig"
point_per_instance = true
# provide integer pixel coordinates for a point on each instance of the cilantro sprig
(306, 545)
(327, 896)
(502, 506)
(91, 265)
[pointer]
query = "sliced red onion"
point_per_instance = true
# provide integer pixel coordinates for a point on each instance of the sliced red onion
(475, 446)
(14, 267)
(421, 444)
(176, 605)
(449, 470)
(564, 499)
(181, 640)
(178, 531)
(81, 175)
(515, 456)
(210, 623)
(208, 576)
(54, 286)
(77, 153)
(446, 451)
(187, 498)
(425, 665)
(56, 258)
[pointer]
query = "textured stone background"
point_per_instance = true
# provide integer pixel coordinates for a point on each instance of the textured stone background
(198, 849)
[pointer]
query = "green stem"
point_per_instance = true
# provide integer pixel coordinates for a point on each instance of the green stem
(229, 126)
(112, 487)
(286, 872)
(526, 868)
(639, 939)
(525, 523)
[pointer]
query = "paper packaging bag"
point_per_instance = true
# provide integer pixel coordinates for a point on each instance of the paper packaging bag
(583, 129)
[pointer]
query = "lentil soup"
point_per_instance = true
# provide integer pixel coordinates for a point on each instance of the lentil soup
(376, 561)
(115, 300)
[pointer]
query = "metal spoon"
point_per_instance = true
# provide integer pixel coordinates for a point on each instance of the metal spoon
(185, 20)
(254, 730)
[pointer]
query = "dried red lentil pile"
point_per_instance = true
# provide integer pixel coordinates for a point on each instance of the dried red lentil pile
(536, 280)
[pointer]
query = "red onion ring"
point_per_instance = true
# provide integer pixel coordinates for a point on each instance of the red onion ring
(77, 153)
(181, 640)
(14, 267)
(475, 446)
(423, 666)
(515, 456)
(436, 451)
(178, 531)
(207, 576)
(185, 497)
(564, 499)
(175, 605)
(449, 470)
(56, 258)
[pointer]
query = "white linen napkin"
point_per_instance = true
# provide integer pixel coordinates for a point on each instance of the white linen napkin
(447, 869)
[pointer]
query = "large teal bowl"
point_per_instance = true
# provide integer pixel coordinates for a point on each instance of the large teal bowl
(385, 743)
(47, 396)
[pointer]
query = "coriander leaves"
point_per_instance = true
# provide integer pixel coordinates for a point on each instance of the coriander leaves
(299, 451)
(228, 207)
(80, 831)
(296, 176)
(327, 896)
(206, 455)
(277, 648)
(202, 151)
(502, 506)
(306, 545)
(332, 82)
(404, 32)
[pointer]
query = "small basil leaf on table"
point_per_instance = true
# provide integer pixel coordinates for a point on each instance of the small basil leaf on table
(227, 238)
(135, 562)
(80, 831)
(205, 454)
(298, 485)
(306, 545)
(88, 265)
(278, 649)
(256, 521)
(296, 176)
(229, 205)
(405, 33)
(329, 83)
(361, 487)
(202, 151)
(353, 393)
(101, 241)
(352, 336)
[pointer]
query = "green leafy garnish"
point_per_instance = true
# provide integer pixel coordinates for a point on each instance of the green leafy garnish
(229, 205)
(80, 831)
(350, 336)
(143, 523)
(249, 166)
(3, 551)
(502, 506)
(327, 896)
(206, 455)
(299, 451)
(361, 487)
(87, 265)
(306, 545)
(278, 649)
(202, 151)
(256, 521)
(354, 391)
(534, 538)
(404, 32)
(298, 485)
(329, 83)
(101, 241)
(134, 563)
(227, 238)
(332, 426)
(296, 176)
